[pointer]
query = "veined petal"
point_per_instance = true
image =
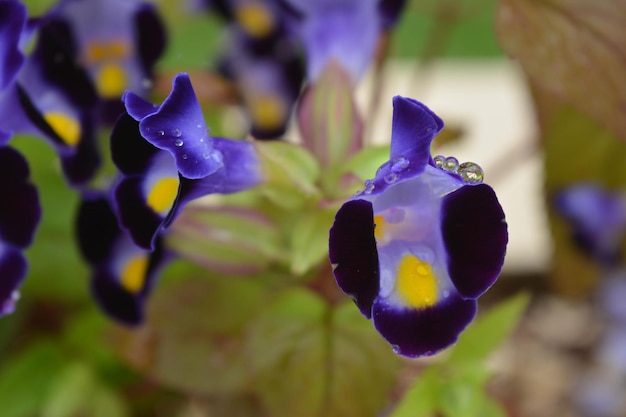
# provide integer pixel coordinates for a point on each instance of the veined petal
(19, 211)
(353, 253)
(12, 272)
(178, 127)
(475, 235)
(423, 332)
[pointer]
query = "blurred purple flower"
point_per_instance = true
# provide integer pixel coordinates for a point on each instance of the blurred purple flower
(123, 274)
(421, 242)
(597, 217)
(19, 216)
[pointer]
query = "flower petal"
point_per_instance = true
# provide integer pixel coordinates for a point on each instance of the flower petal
(12, 272)
(475, 235)
(12, 24)
(423, 332)
(138, 107)
(178, 127)
(130, 152)
(20, 211)
(353, 253)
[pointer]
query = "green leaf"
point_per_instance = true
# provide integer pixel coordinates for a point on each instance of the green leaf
(192, 340)
(488, 331)
(309, 359)
(26, 378)
(291, 174)
(77, 391)
(228, 239)
(365, 163)
(574, 49)
(420, 400)
(309, 240)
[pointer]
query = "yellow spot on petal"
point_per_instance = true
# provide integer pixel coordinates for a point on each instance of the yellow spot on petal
(65, 126)
(379, 231)
(134, 273)
(255, 18)
(111, 81)
(96, 52)
(162, 195)
(267, 112)
(416, 284)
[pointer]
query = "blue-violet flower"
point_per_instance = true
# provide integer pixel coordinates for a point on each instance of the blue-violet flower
(421, 242)
(167, 158)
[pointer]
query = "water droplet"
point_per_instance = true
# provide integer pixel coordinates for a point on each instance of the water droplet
(201, 140)
(369, 187)
(439, 160)
(185, 156)
(206, 154)
(358, 192)
(178, 142)
(451, 164)
(396, 349)
(471, 172)
(390, 177)
(199, 126)
(161, 133)
(399, 164)
(217, 156)
(148, 129)
(176, 133)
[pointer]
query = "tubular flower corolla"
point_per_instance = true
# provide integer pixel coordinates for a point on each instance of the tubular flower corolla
(422, 241)
(167, 158)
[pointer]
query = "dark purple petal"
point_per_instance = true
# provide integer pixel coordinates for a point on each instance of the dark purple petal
(141, 221)
(19, 211)
(178, 127)
(413, 128)
(241, 170)
(390, 10)
(119, 304)
(353, 253)
(12, 272)
(80, 167)
(138, 107)
(475, 235)
(130, 152)
(151, 36)
(96, 228)
(12, 24)
(423, 332)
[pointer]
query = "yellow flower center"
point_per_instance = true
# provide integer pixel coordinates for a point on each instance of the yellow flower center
(162, 195)
(267, 112)
(134, 273)
(416, 284)
(255, 19)
(66, 127)
(111, 81)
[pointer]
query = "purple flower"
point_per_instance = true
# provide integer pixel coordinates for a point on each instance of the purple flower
(123, 274)
(597, 217)
(167, 158)
(421, 242)
(13, 30)
(19, 216)
(342, 30)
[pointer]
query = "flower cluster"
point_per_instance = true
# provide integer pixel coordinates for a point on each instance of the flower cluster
(415, 249)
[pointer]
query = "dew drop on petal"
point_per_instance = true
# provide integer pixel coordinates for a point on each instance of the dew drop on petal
(199, 126)
(161, 133)
(451, 164)
(399, 164)
(471, 172)
(176, 133)
(439, 160)
(185, 156)
(216, 156)
(369, 187)
(396, 349)
(206, 154)
(178, 142)
(390, 177)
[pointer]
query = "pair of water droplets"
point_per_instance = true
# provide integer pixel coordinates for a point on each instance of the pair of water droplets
(398, 165)
(469, 171)
(179, 142)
